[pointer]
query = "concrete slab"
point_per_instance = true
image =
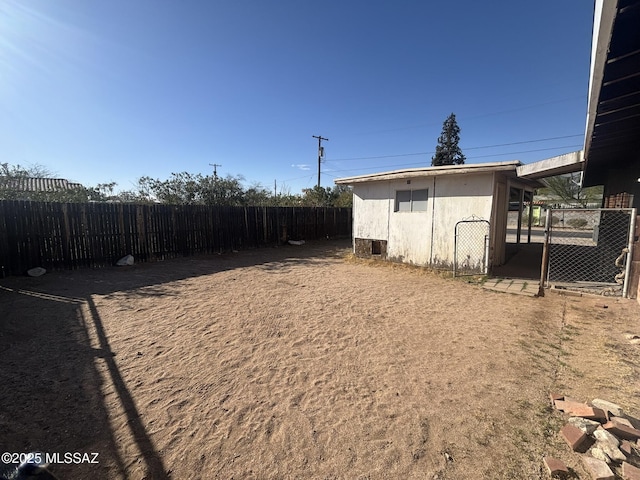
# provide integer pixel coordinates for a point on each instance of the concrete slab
(516, 286)
(523, 261)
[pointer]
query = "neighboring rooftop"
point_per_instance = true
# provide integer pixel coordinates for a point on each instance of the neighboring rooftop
(30, 184)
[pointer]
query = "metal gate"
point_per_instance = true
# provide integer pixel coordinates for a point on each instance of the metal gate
(471, 247)
(589, 249)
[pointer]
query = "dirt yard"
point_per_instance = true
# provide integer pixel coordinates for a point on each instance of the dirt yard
(299, 362)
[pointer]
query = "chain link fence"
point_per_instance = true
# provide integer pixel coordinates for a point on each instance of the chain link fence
(588, 250)
(471, 251)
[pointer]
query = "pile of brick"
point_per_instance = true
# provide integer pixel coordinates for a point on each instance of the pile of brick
(603, 434)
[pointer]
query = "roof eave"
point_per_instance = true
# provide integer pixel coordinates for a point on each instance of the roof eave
(431, 172)
(604, 17)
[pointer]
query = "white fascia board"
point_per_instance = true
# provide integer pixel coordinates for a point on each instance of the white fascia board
(567, 163)
(431, 172)
(604, 15)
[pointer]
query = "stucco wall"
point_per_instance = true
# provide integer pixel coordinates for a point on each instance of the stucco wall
(409, 234)
(458, 197)
(371, 210)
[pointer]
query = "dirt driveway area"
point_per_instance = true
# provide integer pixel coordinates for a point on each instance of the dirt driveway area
(300, 362)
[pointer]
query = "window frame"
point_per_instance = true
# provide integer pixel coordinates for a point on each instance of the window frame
(411, 209)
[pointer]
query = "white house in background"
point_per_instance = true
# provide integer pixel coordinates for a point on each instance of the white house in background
(412, 215)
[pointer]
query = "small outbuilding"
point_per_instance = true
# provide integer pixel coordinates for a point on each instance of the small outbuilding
(448, 217)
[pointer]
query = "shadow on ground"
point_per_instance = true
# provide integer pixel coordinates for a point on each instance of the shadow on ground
(53, 377)
(523, 261)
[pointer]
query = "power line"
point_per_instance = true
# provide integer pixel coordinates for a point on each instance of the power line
(380, 156)
(528, 151)
(377, 167)
(469, 148)
(527, 141)
(472, 117)
(292, 179)
(524, 108)
(466, 148)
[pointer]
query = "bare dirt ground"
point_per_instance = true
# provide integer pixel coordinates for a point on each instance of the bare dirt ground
(299, 362)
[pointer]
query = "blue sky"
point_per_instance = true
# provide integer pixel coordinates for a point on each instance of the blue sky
(112, 91)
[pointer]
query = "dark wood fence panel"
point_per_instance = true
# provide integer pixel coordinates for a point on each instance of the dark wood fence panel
(60, 236)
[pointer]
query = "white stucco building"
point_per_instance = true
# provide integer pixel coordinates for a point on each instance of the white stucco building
(411, 215)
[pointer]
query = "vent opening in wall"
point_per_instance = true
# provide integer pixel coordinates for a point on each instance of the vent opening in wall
(376, 247)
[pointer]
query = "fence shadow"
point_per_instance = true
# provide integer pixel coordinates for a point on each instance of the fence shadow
(53, 377)
(51, 391)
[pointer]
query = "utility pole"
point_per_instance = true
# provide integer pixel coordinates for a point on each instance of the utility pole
(215, 171)
(320, 153)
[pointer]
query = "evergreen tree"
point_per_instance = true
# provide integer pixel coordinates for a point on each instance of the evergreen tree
(447, 151)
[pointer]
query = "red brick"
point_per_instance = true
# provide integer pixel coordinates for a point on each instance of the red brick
(577, 409)
(555, 466)
(554, 396)
(575, 438)
(620, 421)
(629, 472)
(566, 405)
(622, 431)
(626, 447)
(599, 470)
(591, 413)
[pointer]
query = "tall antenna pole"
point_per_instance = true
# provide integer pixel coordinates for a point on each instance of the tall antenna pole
(215, 171)
(320, 153)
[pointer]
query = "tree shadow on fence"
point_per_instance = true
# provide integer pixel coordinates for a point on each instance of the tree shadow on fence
(57, 365)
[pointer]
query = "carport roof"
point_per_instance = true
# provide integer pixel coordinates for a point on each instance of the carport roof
(550, 167)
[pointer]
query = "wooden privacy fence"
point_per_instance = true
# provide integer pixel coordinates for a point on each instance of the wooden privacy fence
(74, 235)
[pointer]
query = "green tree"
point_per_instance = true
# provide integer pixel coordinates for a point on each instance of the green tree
(226, 191)
(180, 189)
(448, 151)
(195, 189)
(8, 171)
(568, 190)
(140, 193)
(317, 196)
(102, 192)
(343, 196)
(338, 196)
(258, 196)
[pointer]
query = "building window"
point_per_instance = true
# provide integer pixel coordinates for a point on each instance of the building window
(411, 200)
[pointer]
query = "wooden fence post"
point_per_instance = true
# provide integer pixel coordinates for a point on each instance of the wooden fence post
(63, 235)
(66, 250)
